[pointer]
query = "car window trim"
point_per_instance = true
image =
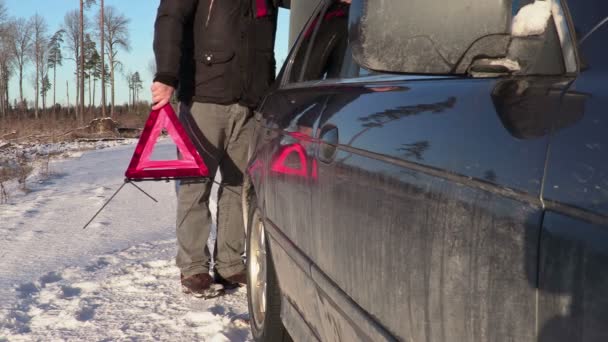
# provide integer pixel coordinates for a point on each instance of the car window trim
(568, 43)
(313, 38)
(566, 37)
(367, 79)
(321, 7)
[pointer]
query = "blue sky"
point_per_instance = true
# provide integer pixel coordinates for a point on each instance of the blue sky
(142, 14)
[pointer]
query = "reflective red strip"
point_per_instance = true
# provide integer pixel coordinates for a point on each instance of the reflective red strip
(262, 8)
(191, 164)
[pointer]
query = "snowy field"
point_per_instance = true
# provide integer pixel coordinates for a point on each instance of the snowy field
(114, 281)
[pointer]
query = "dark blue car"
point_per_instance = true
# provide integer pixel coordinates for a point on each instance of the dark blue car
(432, 170)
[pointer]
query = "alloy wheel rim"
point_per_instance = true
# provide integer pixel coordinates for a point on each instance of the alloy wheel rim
(257, 271)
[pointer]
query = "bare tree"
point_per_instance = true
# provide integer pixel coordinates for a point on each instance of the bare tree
(83, 4)
(103, 63)
(6, 70)
(22, 44)
(6, 58)
(99, 70)
(71, 26)
(3, 13)
(81, 82)
(116, 32)
(39, 54)
(136, 83)
(67, 95)
(129, 78)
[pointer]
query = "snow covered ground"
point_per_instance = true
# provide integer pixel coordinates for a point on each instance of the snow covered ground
(116, 280)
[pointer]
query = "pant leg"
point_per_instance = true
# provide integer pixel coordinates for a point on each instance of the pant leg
(208, 126)
(231, 232)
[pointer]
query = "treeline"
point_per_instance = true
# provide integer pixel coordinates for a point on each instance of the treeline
(91, 37)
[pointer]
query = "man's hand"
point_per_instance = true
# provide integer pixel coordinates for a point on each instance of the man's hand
(161, 94)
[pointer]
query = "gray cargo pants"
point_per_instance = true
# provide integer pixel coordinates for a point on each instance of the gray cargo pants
(221, 133)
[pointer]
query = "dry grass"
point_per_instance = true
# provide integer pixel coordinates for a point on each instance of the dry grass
(5, 175)
(22, 127)
(24, 169)
(56, 127)
(45, 170)
(3, 194)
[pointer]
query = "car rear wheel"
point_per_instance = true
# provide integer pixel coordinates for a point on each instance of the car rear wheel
(263, 293)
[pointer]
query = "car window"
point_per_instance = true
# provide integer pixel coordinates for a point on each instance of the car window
(590, 20)
(593, 51)
(324, 52)
(586, 15)
(504, 38)
(300, 54)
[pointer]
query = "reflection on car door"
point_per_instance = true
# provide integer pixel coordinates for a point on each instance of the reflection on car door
(288, 174)
(429, 210)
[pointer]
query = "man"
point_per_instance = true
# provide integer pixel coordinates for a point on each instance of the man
(220, 56)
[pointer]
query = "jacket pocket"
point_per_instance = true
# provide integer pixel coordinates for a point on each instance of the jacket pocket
(213, 72)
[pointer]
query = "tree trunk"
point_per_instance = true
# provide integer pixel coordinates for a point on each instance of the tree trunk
(82, 52)
(67, 94)
(21, 84)
(103, 64)
(43, 102)
(2, 99)
(54, 90)
(4, 92)
(8, 104)
(37, 87)
(94, 82)
(130, 96)
(112, 87)
(76, 104)
(90, 94)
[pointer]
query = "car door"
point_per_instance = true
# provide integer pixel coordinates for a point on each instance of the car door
(427, 204)
(573, 301)
(289, 118)
(282, 170)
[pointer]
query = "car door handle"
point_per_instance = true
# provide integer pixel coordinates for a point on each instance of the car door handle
(329, 140)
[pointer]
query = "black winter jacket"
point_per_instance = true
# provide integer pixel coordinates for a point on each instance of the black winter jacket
(216, 51)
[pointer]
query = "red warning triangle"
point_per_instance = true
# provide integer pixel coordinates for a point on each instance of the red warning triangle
(142, 168)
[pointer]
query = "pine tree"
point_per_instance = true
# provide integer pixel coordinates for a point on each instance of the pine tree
(91, 59)
(137, 86)
(44, 89)
(55, 60)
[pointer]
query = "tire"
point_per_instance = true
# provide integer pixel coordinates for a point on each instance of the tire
(266, 326)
